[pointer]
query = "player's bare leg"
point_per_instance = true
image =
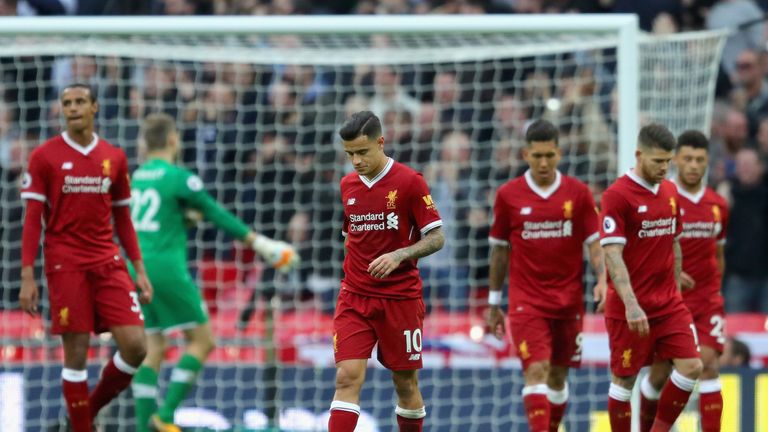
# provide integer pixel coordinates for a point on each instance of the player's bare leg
(557, 394)
(144, 384)
(200, 343)
(650, 390)
(118, 373)
(345, 408)
(619, 408)
(676, 392)
(535, 398)
(710, 397)
(74, 379)
(410, 408)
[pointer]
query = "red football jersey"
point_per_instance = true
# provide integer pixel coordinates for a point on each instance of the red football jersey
(645, 220)
(79, 185)
(389, 212)
(704, 217)
(546, 231)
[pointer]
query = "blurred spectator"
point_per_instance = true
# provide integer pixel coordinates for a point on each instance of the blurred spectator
(47, 7)
(746, 249)
(735, 353)
(8, 7)
(730, 14)
(389, 95)
(750, 77)
(649, 10)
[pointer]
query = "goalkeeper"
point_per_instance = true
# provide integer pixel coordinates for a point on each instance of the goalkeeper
(162, 193)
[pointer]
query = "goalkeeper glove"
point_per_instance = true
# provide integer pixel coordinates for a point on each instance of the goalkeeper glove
(279, 254)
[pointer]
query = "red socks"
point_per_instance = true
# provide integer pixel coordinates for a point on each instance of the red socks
(343, 416)
(649, 402)
(74, 385)
(710, 405)
(115, 377)
(536, 407)
(410, 420)
(619, 408)
(673, 399)
(558, 401)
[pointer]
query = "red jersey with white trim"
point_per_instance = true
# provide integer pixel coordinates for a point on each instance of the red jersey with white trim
(389, 212)
(546, 231)
(79, 186)
(645, 220)
(704, 217)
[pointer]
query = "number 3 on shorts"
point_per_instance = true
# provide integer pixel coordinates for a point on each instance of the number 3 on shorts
(136, 307)
(412, 340)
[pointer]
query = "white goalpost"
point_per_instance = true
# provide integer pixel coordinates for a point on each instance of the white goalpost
(258, 101)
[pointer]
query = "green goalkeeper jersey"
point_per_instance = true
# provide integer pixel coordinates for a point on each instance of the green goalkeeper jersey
(161, 194)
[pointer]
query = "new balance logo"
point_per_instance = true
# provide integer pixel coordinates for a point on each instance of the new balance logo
(414, 357)
(66, 166)
(351, 201)
(525, 211)
(642, 209)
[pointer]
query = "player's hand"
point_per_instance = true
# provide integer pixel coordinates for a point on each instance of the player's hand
(382, 266)
(144, 287)
(686, 281)
(598, 293)
(637, 320)
(279, 254)
(29, 297)
(496, 322)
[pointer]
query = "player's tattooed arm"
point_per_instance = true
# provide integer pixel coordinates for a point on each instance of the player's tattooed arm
(432, 242)
(597, 261)
(678, 263)
(617, 269)
(499, 263)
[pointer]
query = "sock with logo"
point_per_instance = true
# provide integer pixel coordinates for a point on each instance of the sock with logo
(673, 398)
(558, 401)
(649, 402)
(144, 389)
(536, 407)
(115, 377)
(183, 377)
(619, 408)
(410, 420)
(710, 405)
(74, 385)
(343, 416)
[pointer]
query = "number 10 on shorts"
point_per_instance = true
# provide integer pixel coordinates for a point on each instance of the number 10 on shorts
(412, 340)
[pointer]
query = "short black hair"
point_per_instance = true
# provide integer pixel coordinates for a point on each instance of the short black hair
(656, 135)
(692, 138)
(79, 85)
(541, 130)
(361, 123)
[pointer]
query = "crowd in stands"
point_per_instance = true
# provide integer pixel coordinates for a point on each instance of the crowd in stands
(264, 136)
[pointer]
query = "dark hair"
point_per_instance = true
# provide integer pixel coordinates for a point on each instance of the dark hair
(361, 123)
(156, 129)
(692, 138)
(91, 91)
(656, 135)
(740, 349)
(541, 130)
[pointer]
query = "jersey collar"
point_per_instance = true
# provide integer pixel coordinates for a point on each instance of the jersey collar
(84, 150)
(544, 193)
(379, 176)
(694, 198)
(654, 189)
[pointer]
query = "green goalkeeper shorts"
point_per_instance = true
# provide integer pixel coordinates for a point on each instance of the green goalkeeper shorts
(176, 303)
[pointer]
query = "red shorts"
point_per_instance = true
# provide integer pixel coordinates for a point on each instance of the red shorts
(93, 300)
(546, 339)
(361, 321)
(672, 336)
(710, 326)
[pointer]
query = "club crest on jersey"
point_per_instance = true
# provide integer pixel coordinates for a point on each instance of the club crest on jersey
(106, 167)
(716, 213)
(391, 198)
(673, 205)
(568, 209)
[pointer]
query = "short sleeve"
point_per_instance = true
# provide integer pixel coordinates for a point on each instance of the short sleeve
(422, 207)
(121, 190)
(589, 216)
(34, 181)
(500, 227)
(722, 213)
(612, 219)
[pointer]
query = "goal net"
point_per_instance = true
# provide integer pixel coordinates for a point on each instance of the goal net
(258, 113)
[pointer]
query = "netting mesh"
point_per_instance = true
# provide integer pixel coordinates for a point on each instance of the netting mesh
(258, 116)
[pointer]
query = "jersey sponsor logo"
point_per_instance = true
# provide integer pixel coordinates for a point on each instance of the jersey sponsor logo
(568, 209)
(391, 198)
(67, 166)
(86, 184)
(146, 174)
(64, 317)
(373, 222)
(428, 202)
(194, 183)
(351, 201)
(26, 180)
(657, 227)
(547, 229)
(626, 358)
(701, 229)
(392, 221)
(609, 225)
